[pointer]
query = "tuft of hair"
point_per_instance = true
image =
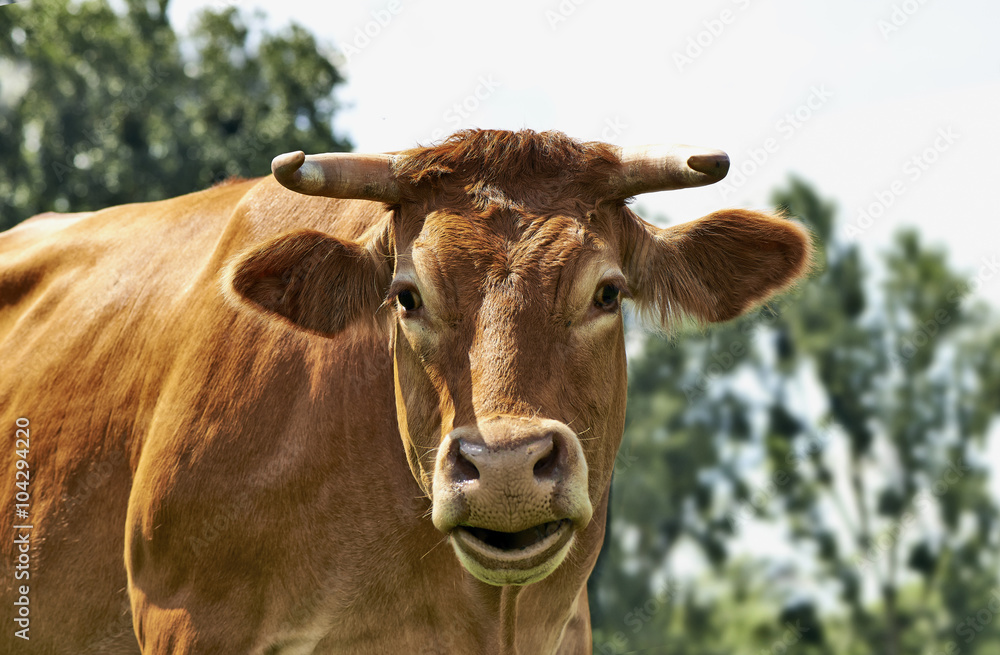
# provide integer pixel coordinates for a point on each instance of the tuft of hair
(512, 162)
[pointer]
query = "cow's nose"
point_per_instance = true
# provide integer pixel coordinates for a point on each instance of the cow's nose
(537, 454)
(510, 474)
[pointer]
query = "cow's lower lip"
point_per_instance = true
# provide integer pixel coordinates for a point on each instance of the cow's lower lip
(513, 557)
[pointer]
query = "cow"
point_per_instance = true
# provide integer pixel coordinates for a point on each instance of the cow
(369, 404)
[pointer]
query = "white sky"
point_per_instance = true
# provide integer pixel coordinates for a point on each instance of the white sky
(597, 69)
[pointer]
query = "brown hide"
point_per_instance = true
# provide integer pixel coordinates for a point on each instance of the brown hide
(236, 426)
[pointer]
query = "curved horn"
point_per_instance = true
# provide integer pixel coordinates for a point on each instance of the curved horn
(338, 175)
(662, 168)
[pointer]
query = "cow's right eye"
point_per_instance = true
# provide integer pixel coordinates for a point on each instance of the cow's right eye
(408, 299)
(606, 297)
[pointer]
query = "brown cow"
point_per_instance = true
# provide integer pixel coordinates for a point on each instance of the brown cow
(345, 422)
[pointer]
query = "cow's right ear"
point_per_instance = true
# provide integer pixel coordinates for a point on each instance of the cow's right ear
(317, 282)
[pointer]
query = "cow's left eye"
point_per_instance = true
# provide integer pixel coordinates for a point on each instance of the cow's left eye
(607, 297)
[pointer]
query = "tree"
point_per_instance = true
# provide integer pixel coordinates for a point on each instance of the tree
(850, 418)
(102, 109)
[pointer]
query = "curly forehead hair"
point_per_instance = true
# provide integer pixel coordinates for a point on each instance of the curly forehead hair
(484, 162)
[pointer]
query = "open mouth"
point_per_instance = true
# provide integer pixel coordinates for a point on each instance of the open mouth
(517, 543)
(513, 557)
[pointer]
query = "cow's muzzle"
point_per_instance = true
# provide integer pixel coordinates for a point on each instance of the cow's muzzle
(511, 493)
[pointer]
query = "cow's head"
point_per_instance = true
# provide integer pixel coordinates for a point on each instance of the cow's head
(502, 268)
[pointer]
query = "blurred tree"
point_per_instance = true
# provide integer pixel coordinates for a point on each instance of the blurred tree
(846, 424)
(119, 109)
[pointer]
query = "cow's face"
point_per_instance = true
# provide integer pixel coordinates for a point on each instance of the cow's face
(501, 271)
(510, 380)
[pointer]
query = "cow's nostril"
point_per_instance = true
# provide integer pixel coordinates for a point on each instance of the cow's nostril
(465, 469)
(546, 464)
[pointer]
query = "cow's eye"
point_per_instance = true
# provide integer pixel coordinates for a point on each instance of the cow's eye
(409, 299)
(607, 297)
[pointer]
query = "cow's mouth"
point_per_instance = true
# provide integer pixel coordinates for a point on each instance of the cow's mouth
(515, 541)
(513, 557)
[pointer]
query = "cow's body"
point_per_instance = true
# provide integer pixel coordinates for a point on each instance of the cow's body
(222, 480)
(283, 457)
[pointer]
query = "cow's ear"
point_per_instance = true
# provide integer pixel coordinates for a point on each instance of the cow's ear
(714, 268)
(314, 280)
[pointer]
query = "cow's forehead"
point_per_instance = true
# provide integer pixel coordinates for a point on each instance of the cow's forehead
(496, 245)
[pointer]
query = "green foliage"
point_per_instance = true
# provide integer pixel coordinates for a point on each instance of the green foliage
(846, 421)
(98, 109)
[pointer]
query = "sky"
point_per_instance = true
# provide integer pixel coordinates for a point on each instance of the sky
(887, 107)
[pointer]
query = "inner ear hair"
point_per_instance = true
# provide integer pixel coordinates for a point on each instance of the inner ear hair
(318, 282)
(717, 267)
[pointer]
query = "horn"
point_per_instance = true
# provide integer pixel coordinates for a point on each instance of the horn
(338, 175)
(645, 169)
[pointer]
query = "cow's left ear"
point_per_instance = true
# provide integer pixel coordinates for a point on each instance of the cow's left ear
(314, 280)
(714, 268)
